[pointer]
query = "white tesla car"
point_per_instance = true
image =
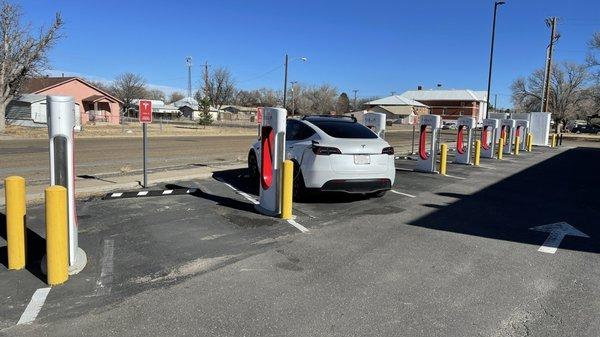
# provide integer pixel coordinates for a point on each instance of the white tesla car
(334, 154)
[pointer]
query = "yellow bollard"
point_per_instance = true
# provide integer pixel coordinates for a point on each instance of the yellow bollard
(287, 190)
(553, 144)
(57, 249)
(529, 142)
(517, 143)
(477, 151)
(443, 158)
(500, 148)
(14, 195)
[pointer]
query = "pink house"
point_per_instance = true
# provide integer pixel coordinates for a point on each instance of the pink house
(95, 105)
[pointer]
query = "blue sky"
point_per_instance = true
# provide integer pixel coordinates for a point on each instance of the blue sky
(373, 46)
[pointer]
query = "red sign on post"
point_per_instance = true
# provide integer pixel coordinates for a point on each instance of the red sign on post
(259, 115)
(145, 109)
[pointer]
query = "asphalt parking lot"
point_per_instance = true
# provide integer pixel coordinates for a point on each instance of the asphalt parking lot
(436, 256)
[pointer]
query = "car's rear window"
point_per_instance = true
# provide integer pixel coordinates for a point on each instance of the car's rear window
(344, 129)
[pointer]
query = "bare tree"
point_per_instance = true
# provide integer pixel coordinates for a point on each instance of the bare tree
(21, 55)
(175, 96)
(220, 87)
(129, 86)
(318, 100)
(100, 85)
(156, 94)
(568, 91)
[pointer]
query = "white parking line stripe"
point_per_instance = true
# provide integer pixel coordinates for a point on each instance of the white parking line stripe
(104, 283)
(243, 194)
(143, 193)
(297, 225)
(455, 177)
(115, 195)
(34, 306)
(404, 169)
(404, 194)
(167, 192)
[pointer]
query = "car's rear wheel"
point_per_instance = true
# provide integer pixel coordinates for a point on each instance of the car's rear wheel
(253, 172)
(299, 189)
(377, 194)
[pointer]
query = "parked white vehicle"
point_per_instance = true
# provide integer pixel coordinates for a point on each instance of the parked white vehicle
(334, 154)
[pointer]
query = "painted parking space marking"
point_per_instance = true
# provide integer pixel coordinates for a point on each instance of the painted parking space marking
(404, 169)
(153, 193)
(243, 194)
(404, 194)
(455, 177)
(35, 305)
(297, 225)
(104, 283)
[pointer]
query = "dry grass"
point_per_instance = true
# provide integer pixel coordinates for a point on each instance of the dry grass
(133, 130)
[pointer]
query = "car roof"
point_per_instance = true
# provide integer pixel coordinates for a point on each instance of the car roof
(329, 118)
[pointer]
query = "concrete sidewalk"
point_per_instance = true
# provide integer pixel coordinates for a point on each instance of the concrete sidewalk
(94, 186)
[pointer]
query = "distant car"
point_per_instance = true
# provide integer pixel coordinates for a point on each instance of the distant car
(334, 154)
(574, 123)
(446, 125)
(593, 129)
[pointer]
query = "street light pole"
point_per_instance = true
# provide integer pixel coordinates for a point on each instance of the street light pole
(285, 81)
(487, 106)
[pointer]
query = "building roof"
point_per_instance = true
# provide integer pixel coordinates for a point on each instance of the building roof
(156, 103)
(187, 101)
(36, 85)
(396, 100)
(30, 98)
(446, 95)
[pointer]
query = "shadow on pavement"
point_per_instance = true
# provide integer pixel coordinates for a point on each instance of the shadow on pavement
(239, 179)
(35, 247)
(562, 188)
(223, 201)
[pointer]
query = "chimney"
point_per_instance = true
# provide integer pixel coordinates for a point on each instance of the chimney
(420, 87)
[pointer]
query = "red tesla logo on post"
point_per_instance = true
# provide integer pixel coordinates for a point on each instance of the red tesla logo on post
(259, 115)
(145, 108)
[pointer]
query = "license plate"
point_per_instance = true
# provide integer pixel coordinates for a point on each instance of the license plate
(362, 159)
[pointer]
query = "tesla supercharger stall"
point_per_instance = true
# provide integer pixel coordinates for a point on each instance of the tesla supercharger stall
(507, 132)
(488, 137)
(272, 155)
(521, 131)
(427, 156)
(376, 122)
(61, 123)
(464, 148)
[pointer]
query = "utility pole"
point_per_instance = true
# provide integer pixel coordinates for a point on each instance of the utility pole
(188, 60)
(547, 74)
(355, 91)
(205, 78)
(495, 100)
(285, 81)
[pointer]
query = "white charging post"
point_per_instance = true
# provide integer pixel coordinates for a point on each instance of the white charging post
(507, 131)
(465, 125)
(488, 137)
(427, 155)
(272, 155)
(376, 122)
(61, 123)
(521, 130)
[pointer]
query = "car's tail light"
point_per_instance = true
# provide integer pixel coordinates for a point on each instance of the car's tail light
(325, 150)
(388, 150)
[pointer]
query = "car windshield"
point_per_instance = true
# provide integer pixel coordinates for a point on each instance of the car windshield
(344, 129)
